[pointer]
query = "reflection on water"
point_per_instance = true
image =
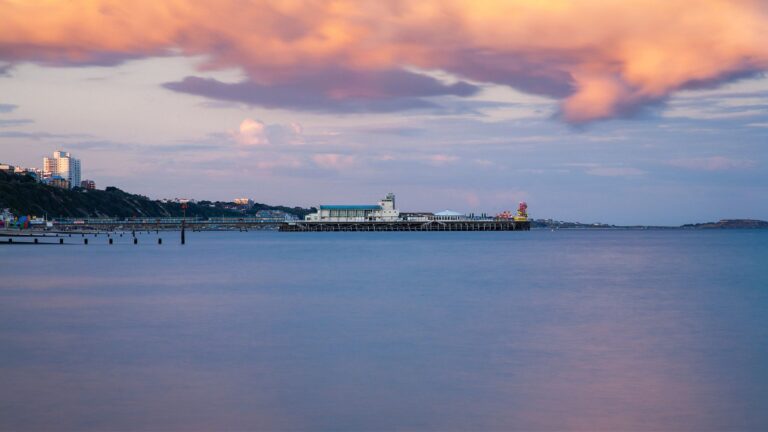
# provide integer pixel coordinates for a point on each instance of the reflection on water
(388, 331)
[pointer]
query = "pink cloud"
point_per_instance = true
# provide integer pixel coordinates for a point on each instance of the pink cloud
(599, 59)
(255, 133)
(251, 133)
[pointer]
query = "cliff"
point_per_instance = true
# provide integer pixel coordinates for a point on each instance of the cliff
(25, 196)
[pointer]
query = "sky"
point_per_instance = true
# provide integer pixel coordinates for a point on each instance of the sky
(624, 112)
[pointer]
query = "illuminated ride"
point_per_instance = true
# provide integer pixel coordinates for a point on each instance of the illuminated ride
(522, 212)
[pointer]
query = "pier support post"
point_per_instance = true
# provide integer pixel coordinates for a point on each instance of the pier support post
(183, 222)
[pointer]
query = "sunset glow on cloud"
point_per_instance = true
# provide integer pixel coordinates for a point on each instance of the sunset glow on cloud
(599, 59)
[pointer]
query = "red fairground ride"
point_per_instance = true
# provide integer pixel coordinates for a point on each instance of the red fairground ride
(522, 212)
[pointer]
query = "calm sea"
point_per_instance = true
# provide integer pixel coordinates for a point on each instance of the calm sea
(540, 330)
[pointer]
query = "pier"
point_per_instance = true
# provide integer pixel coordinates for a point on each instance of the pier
(432, 225)
(384, 216)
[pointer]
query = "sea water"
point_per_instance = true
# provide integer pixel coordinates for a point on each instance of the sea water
(565, 330)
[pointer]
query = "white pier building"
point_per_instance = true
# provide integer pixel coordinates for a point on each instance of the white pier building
(384, 211)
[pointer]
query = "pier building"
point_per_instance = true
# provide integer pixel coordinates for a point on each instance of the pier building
(384, 211)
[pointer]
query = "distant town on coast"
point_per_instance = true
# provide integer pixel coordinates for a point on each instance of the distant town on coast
(32, 196)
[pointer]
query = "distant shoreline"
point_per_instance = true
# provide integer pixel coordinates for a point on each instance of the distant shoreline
(722, 224)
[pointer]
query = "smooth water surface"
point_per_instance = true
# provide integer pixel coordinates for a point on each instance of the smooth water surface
(567, 330)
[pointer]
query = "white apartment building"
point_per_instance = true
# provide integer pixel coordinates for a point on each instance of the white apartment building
(62, 164)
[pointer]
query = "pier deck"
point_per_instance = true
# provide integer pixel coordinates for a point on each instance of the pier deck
(468, 225)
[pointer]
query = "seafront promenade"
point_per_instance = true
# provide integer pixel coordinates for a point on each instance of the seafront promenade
(150, 224)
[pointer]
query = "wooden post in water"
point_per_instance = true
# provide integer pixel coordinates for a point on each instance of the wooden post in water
(183, 219)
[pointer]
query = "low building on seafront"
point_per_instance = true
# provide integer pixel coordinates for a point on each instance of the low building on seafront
(57, 181)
